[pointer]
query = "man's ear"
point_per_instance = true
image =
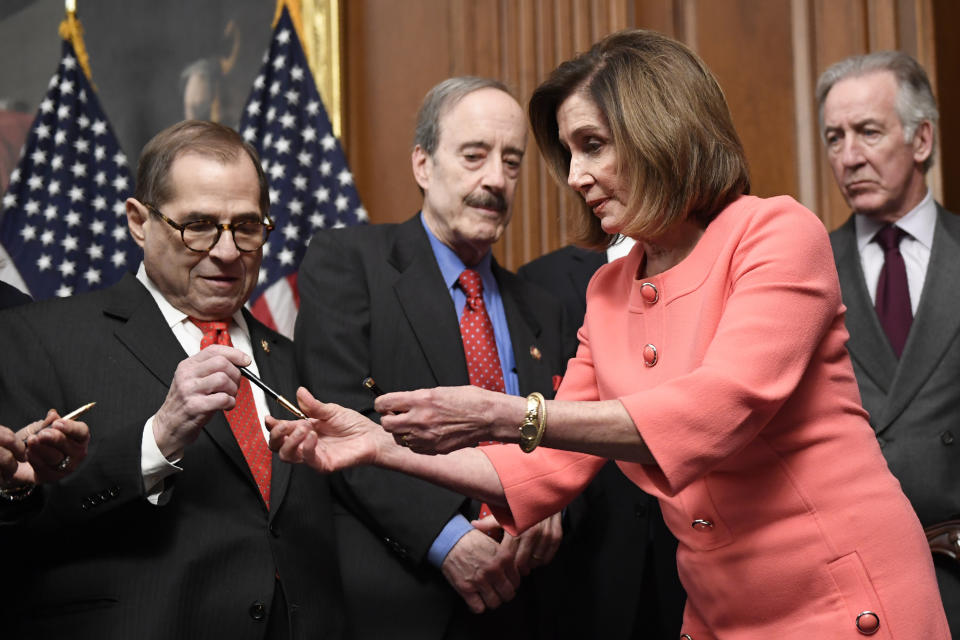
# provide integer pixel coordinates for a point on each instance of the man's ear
(136, 217)
(923, 142)
(422, 165)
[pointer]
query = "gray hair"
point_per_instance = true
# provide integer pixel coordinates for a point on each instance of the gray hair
(440, 100)
(914, 103)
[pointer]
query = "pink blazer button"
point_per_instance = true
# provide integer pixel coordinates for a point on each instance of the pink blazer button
(868, 623)
(649, 355)
(649, 292)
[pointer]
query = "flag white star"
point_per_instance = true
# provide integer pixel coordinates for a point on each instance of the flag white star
(44, 262)
(92, 275)
(28, 233)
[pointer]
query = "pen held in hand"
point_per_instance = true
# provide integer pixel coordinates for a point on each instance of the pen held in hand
(70, 416)
(286, 404)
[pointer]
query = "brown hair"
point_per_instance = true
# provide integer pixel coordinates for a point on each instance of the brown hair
(191, 136)
(670, 124)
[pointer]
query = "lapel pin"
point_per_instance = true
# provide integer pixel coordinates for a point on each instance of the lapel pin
(265, 345)
(535, 353)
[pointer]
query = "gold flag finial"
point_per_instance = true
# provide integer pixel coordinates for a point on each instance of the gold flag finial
(72, 30)
(293, 6)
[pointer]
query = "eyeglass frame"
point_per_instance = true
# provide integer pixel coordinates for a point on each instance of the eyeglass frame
(267, 224)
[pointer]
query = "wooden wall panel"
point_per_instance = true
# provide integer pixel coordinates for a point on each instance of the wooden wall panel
(767, 55)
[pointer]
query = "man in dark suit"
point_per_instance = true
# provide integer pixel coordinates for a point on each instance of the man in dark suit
(898, 258)
(179, 524)
(384, 301)
(616, 531)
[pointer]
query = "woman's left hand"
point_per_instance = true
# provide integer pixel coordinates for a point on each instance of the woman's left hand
(445, 419)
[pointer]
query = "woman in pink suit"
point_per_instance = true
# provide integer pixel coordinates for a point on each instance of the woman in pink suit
(712, 366)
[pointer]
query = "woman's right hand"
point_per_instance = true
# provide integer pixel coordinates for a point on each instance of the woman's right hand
(333, 437)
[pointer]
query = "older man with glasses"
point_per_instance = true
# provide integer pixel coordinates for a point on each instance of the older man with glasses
(180, 523)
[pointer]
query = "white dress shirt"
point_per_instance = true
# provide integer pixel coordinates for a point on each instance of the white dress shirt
(915, 247)
(153, 464)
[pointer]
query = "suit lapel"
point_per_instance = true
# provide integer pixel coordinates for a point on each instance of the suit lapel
(533, 370)
(937, 321)
(142, 330)
(868, 344)
(432, 317)
(585, 265)
(277, 369)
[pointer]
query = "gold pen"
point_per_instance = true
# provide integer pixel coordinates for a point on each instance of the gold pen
(286, 404)
(70, 416)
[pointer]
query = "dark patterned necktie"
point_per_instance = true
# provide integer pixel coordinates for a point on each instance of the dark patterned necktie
(243, 418)
(479, 344)
(893, 293)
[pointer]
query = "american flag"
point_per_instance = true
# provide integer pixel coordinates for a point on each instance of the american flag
(310, 185)
(64, 225)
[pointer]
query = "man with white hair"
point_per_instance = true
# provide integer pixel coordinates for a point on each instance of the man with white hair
(898, 258)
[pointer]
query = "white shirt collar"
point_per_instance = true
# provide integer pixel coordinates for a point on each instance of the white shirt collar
(919, 222)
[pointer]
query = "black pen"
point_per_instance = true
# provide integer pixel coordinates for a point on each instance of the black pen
(286, 404)
(371, 384)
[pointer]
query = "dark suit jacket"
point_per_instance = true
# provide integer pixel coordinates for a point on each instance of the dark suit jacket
(619, 555)
(10, 296)
(99, 561)
(914, 402)
(373, 302)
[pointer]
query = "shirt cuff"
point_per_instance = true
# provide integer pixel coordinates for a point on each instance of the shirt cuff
(456, 528)
(153, 464)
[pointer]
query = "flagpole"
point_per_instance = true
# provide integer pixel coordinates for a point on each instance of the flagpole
(72, 30)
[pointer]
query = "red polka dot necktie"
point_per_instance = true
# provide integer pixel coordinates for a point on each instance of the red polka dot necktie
(893, 293)
(479, 344)
(243, 418)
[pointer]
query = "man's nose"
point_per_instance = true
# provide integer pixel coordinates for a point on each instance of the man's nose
(226, 248)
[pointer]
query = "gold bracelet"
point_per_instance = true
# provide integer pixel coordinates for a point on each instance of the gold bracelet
(534, 422)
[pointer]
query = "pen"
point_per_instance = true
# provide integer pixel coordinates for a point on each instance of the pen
(371, 384)
(70, 416)
(286, 404)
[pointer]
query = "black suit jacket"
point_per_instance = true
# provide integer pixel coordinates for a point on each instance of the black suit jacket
(914, 402)
(620, 558)
(10, 296)
(373, 302)
(99, 561)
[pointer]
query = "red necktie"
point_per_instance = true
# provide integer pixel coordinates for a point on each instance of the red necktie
(893, 294)
(243, 418)
(479, 344)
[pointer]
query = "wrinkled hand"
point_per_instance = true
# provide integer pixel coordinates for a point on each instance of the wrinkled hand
(539, 544)
(202, 385)
(332, 438)
(482, 571)
(444, 419)
(534, 547)
(33, 454)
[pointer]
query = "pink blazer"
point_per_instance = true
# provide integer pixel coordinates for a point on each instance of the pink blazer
(734, 369)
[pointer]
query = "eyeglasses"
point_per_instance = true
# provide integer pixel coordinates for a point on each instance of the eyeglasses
(203, 235)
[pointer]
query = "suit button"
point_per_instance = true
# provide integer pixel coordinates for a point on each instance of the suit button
(273, 531)
(258, 611)
(946, 437)
(650, 355)
(649, 293)
(701, 525)
(868, 622)
(114, 491)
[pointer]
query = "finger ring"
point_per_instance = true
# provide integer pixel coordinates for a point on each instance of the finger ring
(62, 465)
(404, 440)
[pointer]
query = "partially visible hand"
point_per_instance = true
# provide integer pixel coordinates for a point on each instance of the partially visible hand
(332, 438)
(539, 544)
(37, 452)
(482, 571)
(203, 384)
(445, 419)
